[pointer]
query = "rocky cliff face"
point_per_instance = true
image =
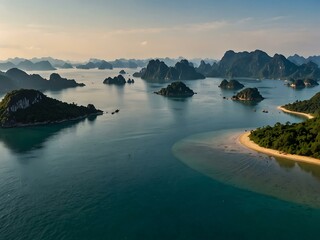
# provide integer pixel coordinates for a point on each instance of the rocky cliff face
(232, 85)
(176, 89)
(104, 65)
(158, 71)
(248, 94)
(31, 98)
(258, 64)
(278, 67)
(243, 64)
(310, 82)
(209, 70)
(57, 82)
(27, 107)
(119, 80)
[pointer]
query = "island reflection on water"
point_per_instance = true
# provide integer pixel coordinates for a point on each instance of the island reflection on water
(26, 139)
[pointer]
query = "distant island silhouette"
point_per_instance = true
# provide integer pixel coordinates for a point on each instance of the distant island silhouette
(16, 79)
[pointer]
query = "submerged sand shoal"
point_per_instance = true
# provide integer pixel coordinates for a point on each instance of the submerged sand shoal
(309, 116)
(245, 141)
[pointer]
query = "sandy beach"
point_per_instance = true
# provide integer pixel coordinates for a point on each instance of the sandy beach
(309, 116)
(245, 140)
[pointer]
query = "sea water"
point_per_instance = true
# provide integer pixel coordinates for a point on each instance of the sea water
(120, 176)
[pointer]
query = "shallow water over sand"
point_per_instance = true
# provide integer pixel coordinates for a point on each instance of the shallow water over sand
(220, 156)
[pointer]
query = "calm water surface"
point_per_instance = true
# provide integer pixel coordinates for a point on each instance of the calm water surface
(121, 177)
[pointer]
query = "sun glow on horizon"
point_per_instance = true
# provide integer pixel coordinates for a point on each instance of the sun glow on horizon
(85, 34)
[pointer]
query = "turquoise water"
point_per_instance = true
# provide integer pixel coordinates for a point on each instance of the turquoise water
(220, 156)
(119, 177)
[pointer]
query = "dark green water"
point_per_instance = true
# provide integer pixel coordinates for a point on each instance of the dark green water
(119, 176)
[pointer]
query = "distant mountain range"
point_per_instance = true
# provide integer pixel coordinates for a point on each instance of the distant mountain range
(299, 60)
(258, 64)
(98, 64)
(49, 63)
(28, 66)
(17, 79)
(57, 63)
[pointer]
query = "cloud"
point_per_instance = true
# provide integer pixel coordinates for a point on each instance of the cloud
(245, 20)
(137, 31)
(276, 18)
(207, 26)
(144, 43)
(188, 27)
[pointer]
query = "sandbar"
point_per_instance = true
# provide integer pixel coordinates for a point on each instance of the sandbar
(245, 141)
(306, 115)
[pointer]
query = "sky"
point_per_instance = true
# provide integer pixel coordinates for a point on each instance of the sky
(110, 29)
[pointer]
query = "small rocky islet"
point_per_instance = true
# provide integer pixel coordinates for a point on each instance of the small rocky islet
(176, 89)
(231, 85)
(300, 83)
(248, 94)
(118, 80)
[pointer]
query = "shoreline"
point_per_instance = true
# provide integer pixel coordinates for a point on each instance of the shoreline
(24, 125)
(306, 115)
(246, 142)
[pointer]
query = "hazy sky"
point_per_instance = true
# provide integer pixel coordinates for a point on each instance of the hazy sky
(108, 29)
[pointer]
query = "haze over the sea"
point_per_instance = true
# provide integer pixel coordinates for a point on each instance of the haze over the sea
(78, 29)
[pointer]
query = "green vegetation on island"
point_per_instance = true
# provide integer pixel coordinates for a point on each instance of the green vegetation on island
(299, 83)
(176, 89)
(158, 71)
(298, 138)
(231, 85)
(248, 94)
(258, 64)
(28, 107)
(118, 80)
(311, 106)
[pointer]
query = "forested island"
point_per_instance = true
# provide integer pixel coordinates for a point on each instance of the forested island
(118, 80)
(28, 107)
(297, 138)
(176, 89)
(299, 83)
(248, 94)
(311, 106)
(231, 85)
